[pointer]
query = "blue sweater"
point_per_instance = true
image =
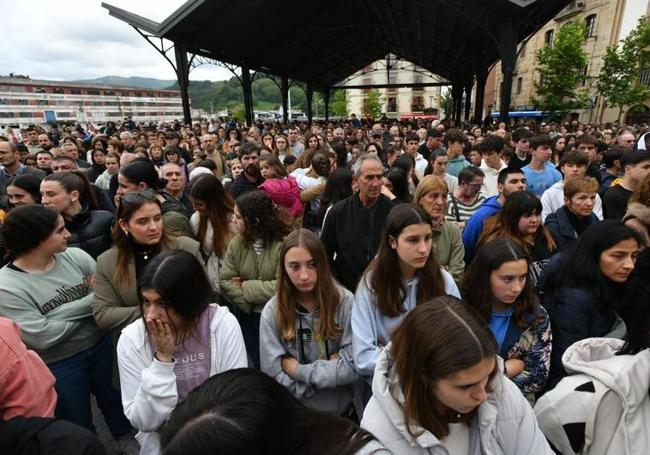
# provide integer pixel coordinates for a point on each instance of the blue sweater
(474, 226)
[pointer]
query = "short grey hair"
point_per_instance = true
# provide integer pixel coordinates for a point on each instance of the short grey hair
(356, 167)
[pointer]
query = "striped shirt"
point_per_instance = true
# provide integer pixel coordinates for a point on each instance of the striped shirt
(460, 212)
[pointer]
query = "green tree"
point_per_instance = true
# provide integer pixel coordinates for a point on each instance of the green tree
(339, 104)
(619, 79)
(374, 104)
(447, 103)
(562, 72)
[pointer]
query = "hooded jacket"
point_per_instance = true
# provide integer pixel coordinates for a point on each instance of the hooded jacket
(505, 423)
(603, 407)
(284, 192)
(149, 392)
(324, 384)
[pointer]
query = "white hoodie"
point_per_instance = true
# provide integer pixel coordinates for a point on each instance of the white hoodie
(603, 406)
(505, 424)
(148, 386)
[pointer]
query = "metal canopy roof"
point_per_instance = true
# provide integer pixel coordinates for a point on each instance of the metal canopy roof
(323, 42)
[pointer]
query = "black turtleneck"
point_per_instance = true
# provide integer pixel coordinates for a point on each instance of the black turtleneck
(139, 253)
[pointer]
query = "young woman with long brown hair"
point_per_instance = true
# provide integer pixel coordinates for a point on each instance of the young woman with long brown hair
(212, 221)
(403, 275)
(439, 388)
(305, 332)
(138, 237)
(497, 285)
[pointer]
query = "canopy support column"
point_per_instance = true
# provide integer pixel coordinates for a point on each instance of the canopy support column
(508, 35)
(247, 86)
(183, 75)
(284, 88)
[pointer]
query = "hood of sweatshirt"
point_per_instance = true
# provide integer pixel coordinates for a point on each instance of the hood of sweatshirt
(627, 375)
(492, 202)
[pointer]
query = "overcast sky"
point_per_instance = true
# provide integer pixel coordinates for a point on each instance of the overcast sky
(77, 39)
(68, 39)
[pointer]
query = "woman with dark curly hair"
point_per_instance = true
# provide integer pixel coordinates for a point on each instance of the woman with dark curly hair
(249, 272)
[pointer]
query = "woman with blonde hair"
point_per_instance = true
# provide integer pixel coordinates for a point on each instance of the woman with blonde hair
(446, 243)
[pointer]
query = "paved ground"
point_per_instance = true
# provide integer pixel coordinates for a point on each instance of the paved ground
(106, 437)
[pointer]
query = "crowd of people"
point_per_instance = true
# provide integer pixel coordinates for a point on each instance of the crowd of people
(351, 286)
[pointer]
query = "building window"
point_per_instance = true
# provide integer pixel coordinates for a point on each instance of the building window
(75, 91)
(590, 25)
(392, 104)
(548, 38)
(58, 91)
(93, 92)
(541, 80)
(417, 104)
(520, 82)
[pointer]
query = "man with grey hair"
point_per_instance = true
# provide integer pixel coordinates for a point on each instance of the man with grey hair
(352, 229)
(626, 139)
(127, 139)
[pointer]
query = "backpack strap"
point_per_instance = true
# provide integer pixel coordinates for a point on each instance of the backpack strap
(455, 209)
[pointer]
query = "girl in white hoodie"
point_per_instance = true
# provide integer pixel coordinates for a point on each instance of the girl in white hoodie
(180, 342)
(439, 388)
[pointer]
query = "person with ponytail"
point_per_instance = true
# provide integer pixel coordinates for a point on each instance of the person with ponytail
(179, 340)
(250, 269)
(70, 194)
(404, 274)
(305, 331)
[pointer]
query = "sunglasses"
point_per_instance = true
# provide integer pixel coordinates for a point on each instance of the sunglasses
(144, 195)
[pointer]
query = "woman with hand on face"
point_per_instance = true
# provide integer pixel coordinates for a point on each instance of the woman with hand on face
(403, 275)
(47, 289)
(305, 332)
(70, 194)
(439, 389)
(496, 284)
(447, 243)
(180, 340)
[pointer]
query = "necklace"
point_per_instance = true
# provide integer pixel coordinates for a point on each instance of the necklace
(144, 254)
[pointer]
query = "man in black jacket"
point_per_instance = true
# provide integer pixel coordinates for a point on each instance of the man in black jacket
(251, 177)
(352, 228)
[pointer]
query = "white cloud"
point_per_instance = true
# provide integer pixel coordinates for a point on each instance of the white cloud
(68, 39)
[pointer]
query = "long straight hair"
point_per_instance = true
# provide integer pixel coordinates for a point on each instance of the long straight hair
(326, 294)
(505, 224)
(75, 180)
(476, 288)
(220, 206)
(123, 242)
(385, 281)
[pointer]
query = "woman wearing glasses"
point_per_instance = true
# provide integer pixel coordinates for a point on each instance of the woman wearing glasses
(138, 237)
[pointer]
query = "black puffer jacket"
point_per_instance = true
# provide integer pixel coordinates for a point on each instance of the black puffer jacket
(91, 231)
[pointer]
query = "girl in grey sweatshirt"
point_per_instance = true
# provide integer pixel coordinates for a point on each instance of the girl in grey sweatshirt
(305, 330)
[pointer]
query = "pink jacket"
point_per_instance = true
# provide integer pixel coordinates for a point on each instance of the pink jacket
(284, 192)
(26, 384)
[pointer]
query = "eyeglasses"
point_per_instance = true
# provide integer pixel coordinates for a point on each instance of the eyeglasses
(144, 195)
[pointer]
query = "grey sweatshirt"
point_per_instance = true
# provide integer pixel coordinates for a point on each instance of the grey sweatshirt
(53, 308)
(327, 385)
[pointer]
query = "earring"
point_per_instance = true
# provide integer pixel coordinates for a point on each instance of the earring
(126, 233)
